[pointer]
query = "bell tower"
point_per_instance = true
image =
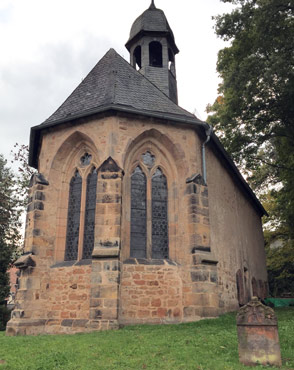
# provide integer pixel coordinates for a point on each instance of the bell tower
(152, 50)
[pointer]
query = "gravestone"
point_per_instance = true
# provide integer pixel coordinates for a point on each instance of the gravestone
(258, 335)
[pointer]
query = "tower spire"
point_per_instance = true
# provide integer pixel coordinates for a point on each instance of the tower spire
(152, 50)
(152, 5)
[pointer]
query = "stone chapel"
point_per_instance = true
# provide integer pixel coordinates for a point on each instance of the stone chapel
(137, 213)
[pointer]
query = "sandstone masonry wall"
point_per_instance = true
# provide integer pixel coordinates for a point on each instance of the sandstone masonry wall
(150, 293)
(212, 234)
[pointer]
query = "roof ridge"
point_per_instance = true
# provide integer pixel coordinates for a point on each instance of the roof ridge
(111, 79)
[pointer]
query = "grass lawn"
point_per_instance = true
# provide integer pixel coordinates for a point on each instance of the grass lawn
(207, 344)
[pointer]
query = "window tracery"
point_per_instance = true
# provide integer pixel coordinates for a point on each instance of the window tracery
(148, 159)
(89, 226)
(73, 217)
(149, 210)
(80, 230)
(138, 214)
(86, 159)
(159, 215)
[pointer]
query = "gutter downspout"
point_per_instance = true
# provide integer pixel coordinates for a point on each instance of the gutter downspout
(208, 133)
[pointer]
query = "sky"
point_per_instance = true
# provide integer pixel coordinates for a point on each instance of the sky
(49, 46)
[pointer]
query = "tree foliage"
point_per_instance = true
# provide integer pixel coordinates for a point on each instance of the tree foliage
(254, 114)
(13, 201)
(10, 224)
(280, 265)
(20, 155)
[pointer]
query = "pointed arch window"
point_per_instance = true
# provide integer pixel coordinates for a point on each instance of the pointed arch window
(138, 213)
(80, 230)
(149, 210)
(89, 227)
(73, 217)
(159, 215)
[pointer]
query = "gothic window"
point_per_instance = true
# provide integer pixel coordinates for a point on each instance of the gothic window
(89, 227)
(81, 211)
(149, 219)
(138, 214)
(159, 216)
(73, 217)
(155, 54)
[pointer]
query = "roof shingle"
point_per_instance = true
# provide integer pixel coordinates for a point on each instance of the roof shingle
(113, 81)
(152, 21)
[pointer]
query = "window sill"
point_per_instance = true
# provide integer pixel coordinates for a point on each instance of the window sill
(145, 261)
(72, 263)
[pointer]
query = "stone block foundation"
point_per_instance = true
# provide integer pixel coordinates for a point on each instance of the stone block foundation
(166, 292)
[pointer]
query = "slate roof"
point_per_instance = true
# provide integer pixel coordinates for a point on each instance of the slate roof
(152, 20)
(114, 85)
(113, 81)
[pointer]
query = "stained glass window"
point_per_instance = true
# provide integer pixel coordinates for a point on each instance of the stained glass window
(148, 159)
(141, 220)
(138, 214)
(89, 227)
(159, 216)
(73, 218)
(86, 159)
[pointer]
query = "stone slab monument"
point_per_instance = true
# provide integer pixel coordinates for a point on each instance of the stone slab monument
(258, 335)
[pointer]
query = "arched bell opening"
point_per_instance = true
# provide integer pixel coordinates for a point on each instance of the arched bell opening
(137, 58)
(155, 54)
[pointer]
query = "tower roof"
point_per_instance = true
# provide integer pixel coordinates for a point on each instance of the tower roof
(152, 21)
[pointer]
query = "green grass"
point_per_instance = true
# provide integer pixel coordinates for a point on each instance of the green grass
(207, 344)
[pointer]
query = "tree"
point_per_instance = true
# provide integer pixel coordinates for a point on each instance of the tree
(280, 265)
(13, 201)
(10, 224)
(20, 155)
(254, 114)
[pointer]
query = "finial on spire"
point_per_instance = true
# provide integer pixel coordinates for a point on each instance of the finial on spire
(152, 5)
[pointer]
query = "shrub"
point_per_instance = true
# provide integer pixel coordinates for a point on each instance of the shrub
(4, 316)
